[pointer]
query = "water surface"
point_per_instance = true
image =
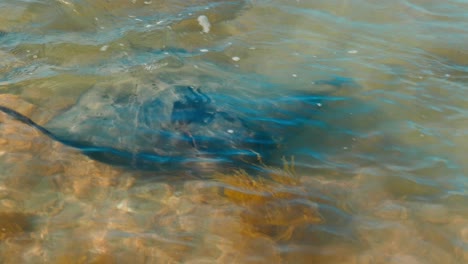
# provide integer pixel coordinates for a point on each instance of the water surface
(366, 103)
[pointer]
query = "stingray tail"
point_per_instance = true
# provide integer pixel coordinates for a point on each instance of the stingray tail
(26, 120)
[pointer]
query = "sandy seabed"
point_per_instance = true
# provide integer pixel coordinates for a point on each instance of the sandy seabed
(59, 206)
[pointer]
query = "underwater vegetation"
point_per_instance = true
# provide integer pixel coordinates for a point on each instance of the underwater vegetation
(272, 205)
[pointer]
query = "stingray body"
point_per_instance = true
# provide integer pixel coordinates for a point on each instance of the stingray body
(185, 128)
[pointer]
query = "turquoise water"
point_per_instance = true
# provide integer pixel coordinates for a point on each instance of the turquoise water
(323, 131)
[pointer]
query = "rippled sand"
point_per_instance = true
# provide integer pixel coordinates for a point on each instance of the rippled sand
(383, 178)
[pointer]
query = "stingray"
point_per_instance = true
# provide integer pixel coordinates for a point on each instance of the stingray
(180, 128)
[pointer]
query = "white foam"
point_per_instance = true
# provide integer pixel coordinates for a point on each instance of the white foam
(205, 23)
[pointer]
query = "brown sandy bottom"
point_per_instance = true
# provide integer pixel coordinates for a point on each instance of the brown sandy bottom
(59, 206)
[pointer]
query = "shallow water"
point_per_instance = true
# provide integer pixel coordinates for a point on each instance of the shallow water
(366, 103)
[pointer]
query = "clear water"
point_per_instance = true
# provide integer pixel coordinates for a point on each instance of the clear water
(367, 102)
